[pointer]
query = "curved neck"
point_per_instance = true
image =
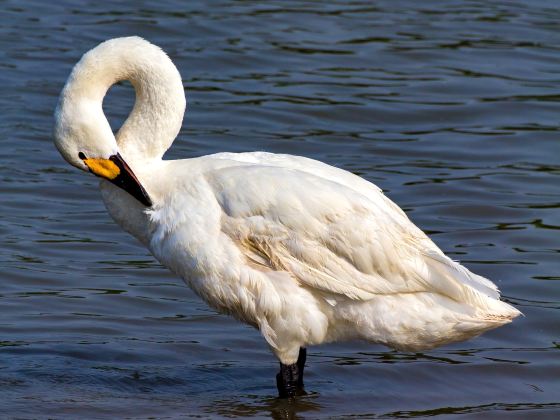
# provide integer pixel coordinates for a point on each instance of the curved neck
(158, 111)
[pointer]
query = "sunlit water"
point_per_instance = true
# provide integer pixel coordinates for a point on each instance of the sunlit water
(451, 107)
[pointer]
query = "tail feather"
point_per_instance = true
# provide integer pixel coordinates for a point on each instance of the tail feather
(474, 290)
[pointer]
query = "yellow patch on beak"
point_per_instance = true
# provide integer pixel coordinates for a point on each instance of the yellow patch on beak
(103, 167)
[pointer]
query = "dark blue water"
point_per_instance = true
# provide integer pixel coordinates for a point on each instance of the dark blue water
(452, 107)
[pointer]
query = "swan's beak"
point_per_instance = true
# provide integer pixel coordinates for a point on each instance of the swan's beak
(117, 171)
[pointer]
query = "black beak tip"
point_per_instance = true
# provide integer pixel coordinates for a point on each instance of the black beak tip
(128, 182)
(147, 201)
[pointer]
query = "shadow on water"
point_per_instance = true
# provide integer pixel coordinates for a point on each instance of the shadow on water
(309, 406)
(485, 409)
(275, 408)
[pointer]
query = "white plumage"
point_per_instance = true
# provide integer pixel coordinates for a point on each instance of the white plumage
(305, 252)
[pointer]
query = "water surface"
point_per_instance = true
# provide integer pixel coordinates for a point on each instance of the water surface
(451, 107)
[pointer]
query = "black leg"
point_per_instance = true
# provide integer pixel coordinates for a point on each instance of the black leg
(290, 378)
(301, 365)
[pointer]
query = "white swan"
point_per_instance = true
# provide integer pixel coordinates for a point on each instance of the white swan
(303, 251)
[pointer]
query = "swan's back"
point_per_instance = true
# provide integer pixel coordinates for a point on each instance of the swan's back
(384, 206)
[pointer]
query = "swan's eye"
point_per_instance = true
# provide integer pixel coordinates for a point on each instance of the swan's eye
(81, 155)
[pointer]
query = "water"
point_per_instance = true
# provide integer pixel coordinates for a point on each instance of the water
(451, 107)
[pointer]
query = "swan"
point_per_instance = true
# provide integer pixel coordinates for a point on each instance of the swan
(305, 252)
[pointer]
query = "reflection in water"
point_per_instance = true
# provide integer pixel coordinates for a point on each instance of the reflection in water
(452, 110)
(275, 408)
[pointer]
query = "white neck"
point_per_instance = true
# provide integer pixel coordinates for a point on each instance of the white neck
(160, 102)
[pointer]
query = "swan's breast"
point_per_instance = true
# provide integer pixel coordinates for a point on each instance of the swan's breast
(126, 211)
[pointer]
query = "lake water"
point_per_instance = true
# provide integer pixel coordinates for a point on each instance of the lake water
(452, 107)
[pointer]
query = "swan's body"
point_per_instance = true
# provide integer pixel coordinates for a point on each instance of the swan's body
(305, 252)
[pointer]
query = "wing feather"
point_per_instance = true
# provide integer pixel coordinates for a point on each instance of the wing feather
(333, 236)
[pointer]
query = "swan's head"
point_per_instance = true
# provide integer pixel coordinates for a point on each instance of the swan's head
(84, 138)
(82, 133)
